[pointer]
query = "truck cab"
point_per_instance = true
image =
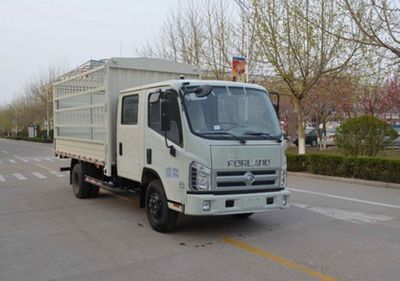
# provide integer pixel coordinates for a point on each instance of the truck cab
(201, 148)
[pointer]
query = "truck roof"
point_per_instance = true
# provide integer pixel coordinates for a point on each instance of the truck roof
(143, 64)
(178, 83)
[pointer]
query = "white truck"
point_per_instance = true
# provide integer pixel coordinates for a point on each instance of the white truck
(190, 146)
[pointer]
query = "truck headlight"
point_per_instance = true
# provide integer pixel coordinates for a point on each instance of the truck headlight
(200, 177)
(283, 178)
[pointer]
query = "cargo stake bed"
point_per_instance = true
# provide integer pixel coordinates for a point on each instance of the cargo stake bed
(190, 146)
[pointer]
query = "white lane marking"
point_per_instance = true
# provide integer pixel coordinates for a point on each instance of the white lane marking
(19, 176)
(37, 160)
(4, 152)
(346, 198)
(57, 174)
(12, 161)
(2, 179)
(49, 159)
(39, 175)
(44, 167)
(22, 159)
(354, 217)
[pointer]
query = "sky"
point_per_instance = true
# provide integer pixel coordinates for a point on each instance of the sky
(38, 34)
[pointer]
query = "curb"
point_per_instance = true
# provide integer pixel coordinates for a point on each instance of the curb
(349, 180)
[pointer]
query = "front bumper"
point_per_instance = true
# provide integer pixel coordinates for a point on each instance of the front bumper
(242, 203)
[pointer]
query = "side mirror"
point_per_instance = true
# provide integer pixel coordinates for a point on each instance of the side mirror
(154, 97)
(275, 98)
(203, 91)
(165, 116)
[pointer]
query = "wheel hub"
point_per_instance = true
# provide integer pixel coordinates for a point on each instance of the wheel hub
(154, 206)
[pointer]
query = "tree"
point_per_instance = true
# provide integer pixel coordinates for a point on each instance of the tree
(218, 43)
(42, 93)
(34, 106)
(372, 99)
(299, 52)
(6, 120)
(392, 88)
(205, 33)
(372, 95)
(378, 21)
(326, 102)
(182, 36)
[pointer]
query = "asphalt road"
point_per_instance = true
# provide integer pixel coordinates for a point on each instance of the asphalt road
(332, 231)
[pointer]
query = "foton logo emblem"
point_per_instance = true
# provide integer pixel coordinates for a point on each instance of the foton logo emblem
(248, 163)
(249, 178)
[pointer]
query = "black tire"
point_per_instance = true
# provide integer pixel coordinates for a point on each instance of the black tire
(161, 218)
(79, 186)
(243, 216)
(93, 191)
(314, 143)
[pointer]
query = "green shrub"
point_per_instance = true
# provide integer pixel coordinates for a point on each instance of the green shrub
(328, 165)
(22, 134)
(43, 140)
(297, 163)
(364, 136)
(368, 168)
(43, 134)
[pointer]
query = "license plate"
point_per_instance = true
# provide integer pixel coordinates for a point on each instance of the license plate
(252, 203)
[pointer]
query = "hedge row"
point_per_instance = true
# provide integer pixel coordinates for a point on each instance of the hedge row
(367, 168)
(42, 140)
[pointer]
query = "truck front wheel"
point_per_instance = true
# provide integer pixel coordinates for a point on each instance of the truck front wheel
(161, 218)
(79, 186)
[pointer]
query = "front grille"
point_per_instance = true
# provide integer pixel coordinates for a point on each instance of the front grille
(241, 173)
(240, 179)
(242, 183)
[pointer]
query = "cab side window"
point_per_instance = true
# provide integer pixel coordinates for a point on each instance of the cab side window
(175, 134)
(130, 106)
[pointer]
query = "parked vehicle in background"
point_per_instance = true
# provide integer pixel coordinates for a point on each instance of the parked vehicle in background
(330, 136)
(396, 142)
(312, 137)
(197, 147)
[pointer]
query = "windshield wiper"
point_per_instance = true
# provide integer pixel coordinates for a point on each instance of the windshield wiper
(266, 135)
(242, 141)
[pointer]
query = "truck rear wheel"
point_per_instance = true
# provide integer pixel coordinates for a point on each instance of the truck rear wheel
(161, 218)
(79, 186)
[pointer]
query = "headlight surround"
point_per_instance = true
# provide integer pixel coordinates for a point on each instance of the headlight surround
(283, 178)
(200, 177)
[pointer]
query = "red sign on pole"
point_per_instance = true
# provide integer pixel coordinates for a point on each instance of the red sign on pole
(239, 69)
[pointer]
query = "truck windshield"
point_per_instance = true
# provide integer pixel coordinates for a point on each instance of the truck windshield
(232, 113)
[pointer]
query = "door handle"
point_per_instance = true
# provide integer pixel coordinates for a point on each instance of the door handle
(120, 148)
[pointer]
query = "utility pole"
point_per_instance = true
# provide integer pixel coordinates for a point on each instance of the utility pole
(47, 113)
(47, 89)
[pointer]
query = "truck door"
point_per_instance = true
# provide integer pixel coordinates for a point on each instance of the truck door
(130, 137)
(170, 168)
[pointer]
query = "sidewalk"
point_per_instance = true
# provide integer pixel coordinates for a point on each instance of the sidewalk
(349, 180)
